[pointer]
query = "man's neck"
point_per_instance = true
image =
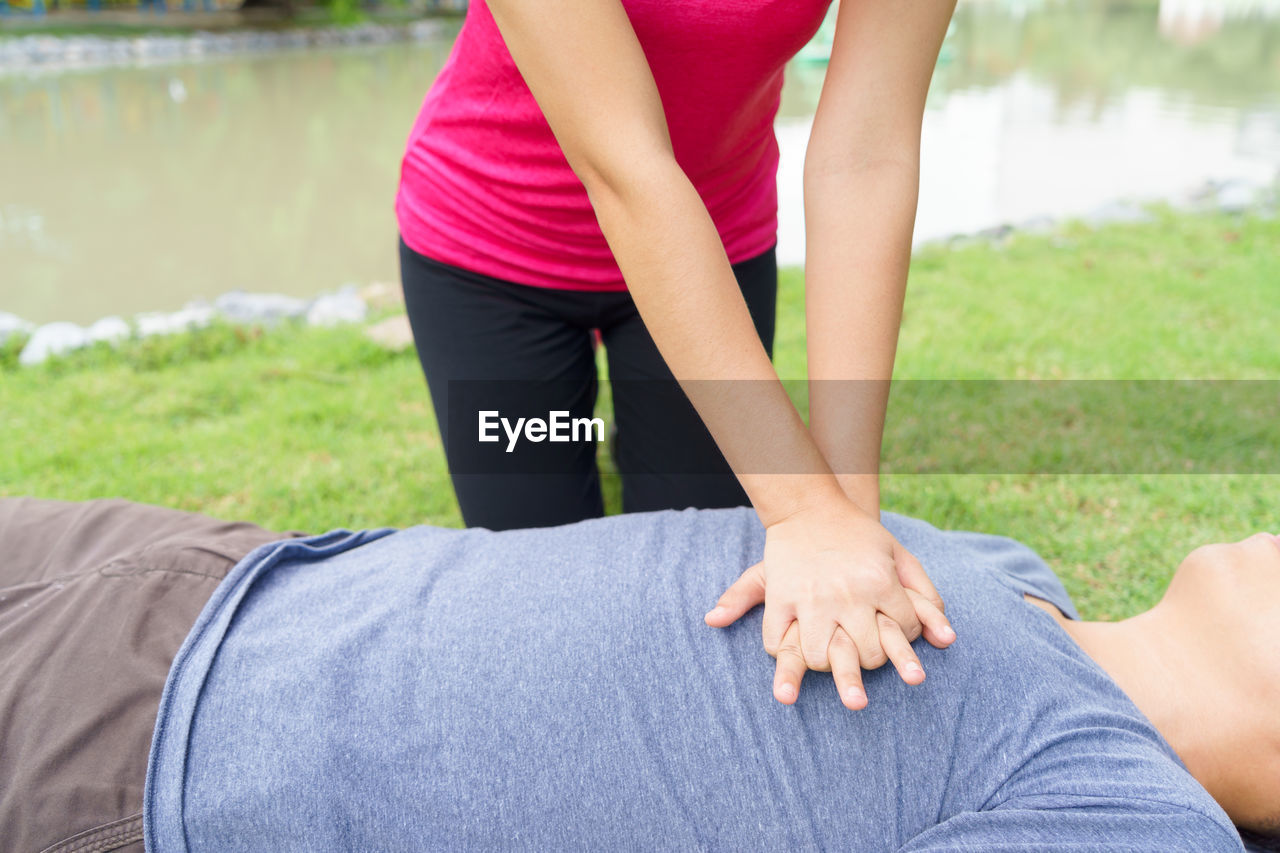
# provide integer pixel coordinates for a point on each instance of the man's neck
(1166, 671)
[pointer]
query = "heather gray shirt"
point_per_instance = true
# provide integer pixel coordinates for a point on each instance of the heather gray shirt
(556, 689)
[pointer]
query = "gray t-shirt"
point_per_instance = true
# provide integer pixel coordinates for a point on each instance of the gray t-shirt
(556, 689)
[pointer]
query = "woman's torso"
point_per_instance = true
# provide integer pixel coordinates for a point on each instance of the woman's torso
(485, 186)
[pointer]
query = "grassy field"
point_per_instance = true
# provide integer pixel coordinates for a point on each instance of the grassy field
(313, 429)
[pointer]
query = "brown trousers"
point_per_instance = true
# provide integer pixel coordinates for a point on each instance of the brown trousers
(95, 599)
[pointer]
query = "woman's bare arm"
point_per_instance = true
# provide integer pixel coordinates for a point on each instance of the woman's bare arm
(826, 565)
(589, 75)
(861, 179)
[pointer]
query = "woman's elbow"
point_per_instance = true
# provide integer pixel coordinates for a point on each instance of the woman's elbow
(628, 177)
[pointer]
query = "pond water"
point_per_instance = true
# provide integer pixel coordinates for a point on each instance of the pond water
(140, 188)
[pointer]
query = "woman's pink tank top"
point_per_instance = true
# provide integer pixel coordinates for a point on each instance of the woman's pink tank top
(485, 186)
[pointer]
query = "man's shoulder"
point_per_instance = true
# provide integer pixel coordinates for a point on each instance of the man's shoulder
(1050, 821)
(967, 557)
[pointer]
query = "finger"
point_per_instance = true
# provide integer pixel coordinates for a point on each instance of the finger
(861, 628)
(899, 650)
(742, 595)
(898, 607)
(913, 576)
(790, 668)
(777, 620)
(815, 637)
(846, 670)
(937, 630)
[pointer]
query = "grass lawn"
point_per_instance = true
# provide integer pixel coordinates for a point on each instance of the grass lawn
(314, 429)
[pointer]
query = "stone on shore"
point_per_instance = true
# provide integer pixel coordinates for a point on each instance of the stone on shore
(1119, 211)
(333, 309)
(12, 324)
(240, 307)
(87, 50)
(111, 330)
(382, 295)
(1236, 197)
(52, 339)
(392, 333)
(196, 315)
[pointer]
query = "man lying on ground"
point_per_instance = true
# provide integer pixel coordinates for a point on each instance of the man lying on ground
(557, 689)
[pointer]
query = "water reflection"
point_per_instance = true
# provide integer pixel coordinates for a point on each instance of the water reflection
(129, 189)
(1193, 21)
(1053, 110)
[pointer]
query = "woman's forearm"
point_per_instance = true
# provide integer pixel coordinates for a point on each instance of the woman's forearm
(858, 220)
(680, 278)
(861, 179)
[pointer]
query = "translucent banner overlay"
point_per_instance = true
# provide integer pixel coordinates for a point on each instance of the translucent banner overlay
(932, 426)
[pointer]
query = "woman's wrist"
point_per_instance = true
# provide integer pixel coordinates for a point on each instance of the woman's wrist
(784, 496)
(863, 490)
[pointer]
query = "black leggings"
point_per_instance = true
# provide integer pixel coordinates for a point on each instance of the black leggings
(539, 342)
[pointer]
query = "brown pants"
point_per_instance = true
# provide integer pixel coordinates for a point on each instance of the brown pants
(95, 599)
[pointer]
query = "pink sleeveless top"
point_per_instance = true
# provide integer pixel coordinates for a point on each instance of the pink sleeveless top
(484, 185)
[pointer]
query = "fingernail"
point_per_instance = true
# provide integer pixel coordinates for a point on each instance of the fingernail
(853, 694)
(913, 669)
(713, 612)
(787, 691)
(947, 633)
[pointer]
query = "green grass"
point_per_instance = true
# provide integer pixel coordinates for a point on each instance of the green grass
(313, 429)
